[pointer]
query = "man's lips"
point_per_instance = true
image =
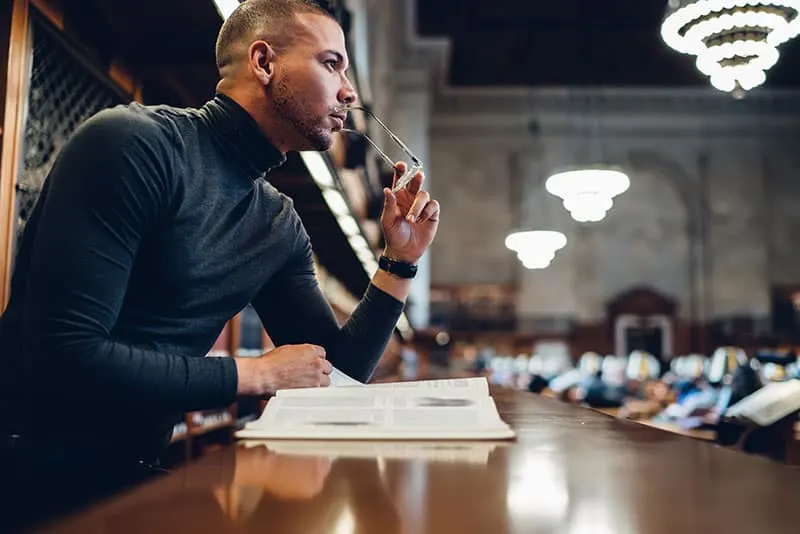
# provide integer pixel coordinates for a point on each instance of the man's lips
(340, 117)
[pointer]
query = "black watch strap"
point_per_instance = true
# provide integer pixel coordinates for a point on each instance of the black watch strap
(397, 268)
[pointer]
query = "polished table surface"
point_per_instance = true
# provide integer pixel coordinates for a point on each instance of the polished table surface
(571, 470)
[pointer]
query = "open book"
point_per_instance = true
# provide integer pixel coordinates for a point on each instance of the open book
(423, 410)
(769, 404)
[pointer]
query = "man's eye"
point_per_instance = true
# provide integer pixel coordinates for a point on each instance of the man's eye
(331, 63)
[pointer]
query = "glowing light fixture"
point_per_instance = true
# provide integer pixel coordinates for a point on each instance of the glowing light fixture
(588, 193)
(537, 248)
(735, 41)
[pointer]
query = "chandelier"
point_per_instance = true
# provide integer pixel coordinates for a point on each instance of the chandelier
(735, 41)
(537, 248)
(588, 193)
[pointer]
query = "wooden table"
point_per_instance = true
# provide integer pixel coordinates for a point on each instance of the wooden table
(708, 435)
(570, 471)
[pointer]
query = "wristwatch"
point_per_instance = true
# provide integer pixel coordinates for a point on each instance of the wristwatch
(398, 268)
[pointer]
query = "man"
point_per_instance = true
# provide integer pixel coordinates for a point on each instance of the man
(157, 225)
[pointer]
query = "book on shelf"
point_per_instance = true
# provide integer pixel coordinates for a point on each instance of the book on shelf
(460, 409)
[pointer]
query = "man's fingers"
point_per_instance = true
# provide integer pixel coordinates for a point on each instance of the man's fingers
(415, 184)
(327, 368)
(325, 381)
(399, 170)
(316, 349)
(390, 208)
(421, 200)
(430, 212)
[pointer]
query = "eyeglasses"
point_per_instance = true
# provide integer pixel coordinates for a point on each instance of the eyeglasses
(414, 166)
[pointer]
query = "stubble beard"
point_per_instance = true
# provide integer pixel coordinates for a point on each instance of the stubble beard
(294, 112)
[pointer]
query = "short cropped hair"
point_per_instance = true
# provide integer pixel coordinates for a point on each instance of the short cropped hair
(260, 19)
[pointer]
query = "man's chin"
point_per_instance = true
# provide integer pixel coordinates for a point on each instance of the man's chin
(320, 142)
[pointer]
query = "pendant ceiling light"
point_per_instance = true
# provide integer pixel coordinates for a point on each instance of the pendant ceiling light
(735, 41)
(588, 193)
(536, 248)
(586, 179)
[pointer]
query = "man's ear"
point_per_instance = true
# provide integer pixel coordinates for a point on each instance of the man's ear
(261, 58)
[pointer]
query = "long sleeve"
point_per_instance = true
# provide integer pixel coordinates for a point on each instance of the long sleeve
(109, 190)
(294, 310)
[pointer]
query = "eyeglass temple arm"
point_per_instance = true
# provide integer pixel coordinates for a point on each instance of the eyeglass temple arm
(396, 139)
(386, 158)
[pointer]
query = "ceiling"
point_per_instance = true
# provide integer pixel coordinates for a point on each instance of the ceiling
(502, 42)
(569, 42)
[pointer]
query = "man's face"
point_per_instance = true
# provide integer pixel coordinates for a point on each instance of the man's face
(310, 83)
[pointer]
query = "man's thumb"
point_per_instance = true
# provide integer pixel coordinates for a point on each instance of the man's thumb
(389, 203)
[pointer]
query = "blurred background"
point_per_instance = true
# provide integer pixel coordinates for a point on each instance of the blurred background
(618, 181)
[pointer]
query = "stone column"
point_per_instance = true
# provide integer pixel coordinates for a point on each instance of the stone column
(739, 268)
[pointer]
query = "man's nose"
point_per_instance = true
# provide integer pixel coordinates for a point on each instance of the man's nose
(347, 94)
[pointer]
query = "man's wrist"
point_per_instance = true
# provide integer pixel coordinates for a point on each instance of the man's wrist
(399, 269)
(394, 286)
(397, 256)
(251, 381)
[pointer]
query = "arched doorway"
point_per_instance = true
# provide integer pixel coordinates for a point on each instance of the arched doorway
(643, 319)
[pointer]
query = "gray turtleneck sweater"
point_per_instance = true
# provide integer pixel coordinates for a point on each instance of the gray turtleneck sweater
(154, 228)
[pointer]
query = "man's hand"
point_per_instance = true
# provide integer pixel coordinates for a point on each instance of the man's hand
(410, 219)
(286, 367)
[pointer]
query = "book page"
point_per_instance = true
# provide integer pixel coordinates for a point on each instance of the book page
(472, 387)
(339, 379)
(478, 384)
(769, 404)
(360, 416)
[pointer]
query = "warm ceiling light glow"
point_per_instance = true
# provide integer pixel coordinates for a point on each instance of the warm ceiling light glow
(537, 248)
(735, 41)
(588, 193)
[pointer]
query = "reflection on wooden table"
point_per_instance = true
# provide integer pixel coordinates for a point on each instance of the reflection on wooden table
(571, 470)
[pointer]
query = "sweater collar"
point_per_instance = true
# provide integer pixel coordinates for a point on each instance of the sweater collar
(240, 136)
